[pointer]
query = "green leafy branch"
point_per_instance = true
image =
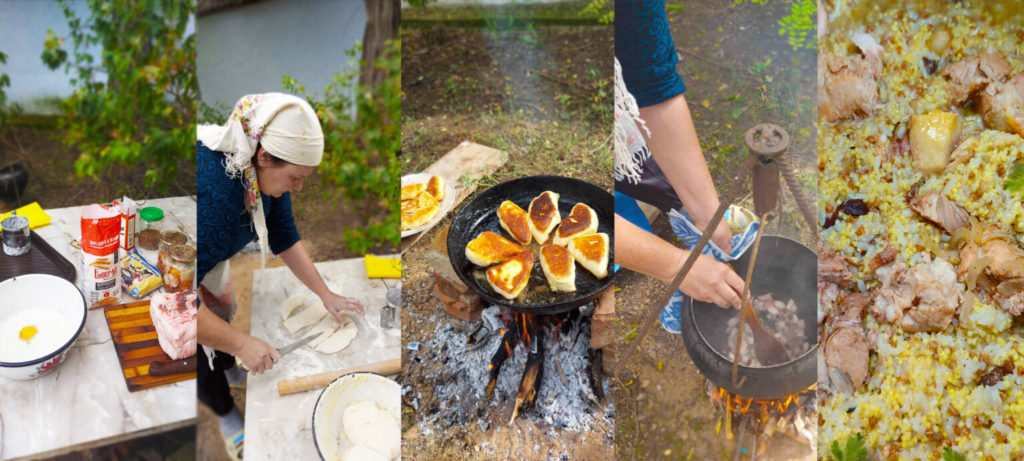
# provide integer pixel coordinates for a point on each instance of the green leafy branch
(362, 140)
(144, 107)
(800, 25)
(600, 8)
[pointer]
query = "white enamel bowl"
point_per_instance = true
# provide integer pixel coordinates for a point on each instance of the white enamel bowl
(66, 313)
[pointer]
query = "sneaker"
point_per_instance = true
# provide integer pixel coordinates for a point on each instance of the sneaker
(672, 314)
(234, 445)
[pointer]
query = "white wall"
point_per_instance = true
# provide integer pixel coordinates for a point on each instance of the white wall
(247, 49)
(23, 25)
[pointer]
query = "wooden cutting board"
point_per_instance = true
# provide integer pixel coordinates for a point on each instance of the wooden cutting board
(137, 347)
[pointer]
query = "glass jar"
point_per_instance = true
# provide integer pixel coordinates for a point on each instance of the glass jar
(150, 227)
(180, 268)
(167, 240)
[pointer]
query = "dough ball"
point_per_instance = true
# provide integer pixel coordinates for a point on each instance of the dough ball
(362, 453)
(367, 424)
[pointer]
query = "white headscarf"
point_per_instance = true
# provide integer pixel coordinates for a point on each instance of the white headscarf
(285, 125)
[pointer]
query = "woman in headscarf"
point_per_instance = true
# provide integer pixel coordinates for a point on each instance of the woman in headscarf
(246, 168)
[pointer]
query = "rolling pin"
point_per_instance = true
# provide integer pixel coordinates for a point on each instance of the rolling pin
(317, 381)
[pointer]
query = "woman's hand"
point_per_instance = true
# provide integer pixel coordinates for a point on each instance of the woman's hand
(257, 355)
(336, 303)
(712, 281)
(723, 236)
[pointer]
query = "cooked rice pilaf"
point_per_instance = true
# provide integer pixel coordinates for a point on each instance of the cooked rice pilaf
(924, 390)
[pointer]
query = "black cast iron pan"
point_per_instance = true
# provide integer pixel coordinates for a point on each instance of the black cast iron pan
(480, 215)
(788, 270)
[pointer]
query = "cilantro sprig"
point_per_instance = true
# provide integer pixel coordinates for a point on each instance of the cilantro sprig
(1015, 180)
(853, 450)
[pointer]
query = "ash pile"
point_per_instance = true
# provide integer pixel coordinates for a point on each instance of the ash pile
(570, 394)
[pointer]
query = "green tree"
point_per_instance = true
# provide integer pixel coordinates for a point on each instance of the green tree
(362, 140)
(138, 103)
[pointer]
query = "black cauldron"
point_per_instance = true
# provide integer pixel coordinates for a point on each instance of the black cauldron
(13, 180)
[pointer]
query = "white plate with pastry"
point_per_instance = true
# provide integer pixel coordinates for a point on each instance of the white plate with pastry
(426, 199)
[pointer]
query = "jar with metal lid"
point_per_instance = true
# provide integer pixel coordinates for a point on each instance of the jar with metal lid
(16, 235)
(150, 227)
(168, 239)
(180, 268)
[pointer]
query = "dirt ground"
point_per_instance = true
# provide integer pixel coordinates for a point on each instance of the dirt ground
(52, 180)
(662, 405)
(541, 94)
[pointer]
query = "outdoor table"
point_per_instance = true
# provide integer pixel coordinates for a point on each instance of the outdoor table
(86, 400)
(281, 427)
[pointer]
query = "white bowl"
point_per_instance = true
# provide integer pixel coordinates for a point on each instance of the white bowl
(328, 434)
(35, 291)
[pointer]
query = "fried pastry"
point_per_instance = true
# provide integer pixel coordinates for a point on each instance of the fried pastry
(544, 216)
(559, 267)
(582, 221)
(510, 277)
(591, 251)
(489, 248)
(515, 221)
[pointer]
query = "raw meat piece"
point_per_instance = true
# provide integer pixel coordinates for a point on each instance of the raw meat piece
(174, 316)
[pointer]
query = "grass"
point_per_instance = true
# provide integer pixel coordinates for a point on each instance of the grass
(574, 11)
(534, 147)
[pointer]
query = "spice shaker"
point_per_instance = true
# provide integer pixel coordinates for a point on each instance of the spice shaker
(16, 235)
(389, 313)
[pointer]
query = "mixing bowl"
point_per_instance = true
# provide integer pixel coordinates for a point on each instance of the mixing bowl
(30, 297)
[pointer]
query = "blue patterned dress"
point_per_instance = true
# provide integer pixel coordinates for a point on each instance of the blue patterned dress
(224, 225)
(644, 47)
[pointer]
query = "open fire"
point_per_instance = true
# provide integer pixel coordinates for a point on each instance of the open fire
(540, 367)
(792, 416)
(529, 331)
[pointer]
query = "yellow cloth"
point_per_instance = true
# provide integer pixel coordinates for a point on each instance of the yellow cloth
(36, 216)
(383, 268)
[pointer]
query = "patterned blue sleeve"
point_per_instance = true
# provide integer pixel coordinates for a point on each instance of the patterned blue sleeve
(217, 211)
(280, 223)
(646, 51)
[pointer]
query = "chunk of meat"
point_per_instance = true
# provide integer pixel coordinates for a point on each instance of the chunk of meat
(871, 50)
(847, 87)
(882, 258)
(852, 307)
(1012, 304)
(1007, 257)
(846, 356)
(174, 316)
(941, 211)
(846, 346)
(832, 268)
(828, 294)
(922, 299)
(1001, 105)
(972, 74)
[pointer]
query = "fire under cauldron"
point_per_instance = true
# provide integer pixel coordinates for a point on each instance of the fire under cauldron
(788, 270)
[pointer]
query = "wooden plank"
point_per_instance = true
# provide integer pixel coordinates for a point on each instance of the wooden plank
(136, 345)
(467, 160)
